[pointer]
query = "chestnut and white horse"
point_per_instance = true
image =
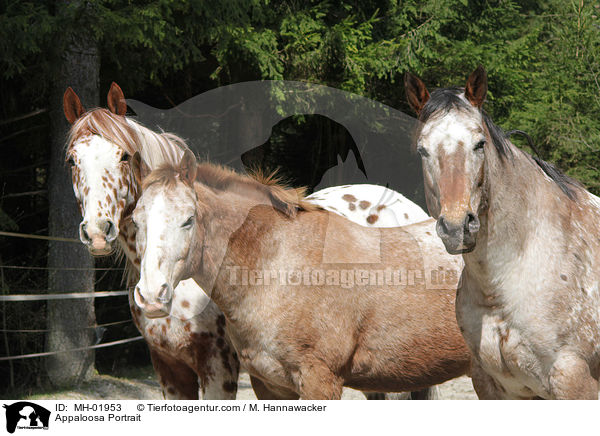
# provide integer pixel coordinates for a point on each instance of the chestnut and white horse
(313, 302)
(190, 350)
(528, 303)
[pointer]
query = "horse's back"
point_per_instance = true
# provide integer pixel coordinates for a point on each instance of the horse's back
(369, 205)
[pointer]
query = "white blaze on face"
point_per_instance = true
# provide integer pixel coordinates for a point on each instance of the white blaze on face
(102, 186)
(451, 161)
(165, 221)
(451, 130)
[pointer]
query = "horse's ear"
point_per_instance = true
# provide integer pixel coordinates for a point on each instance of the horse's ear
(116, 100)
(476, 88)
(416, 92)
(139, 168)
(188, 167)
(72, 105)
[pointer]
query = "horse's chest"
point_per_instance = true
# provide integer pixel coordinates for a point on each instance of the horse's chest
(260, 355)
(163, 333)
(178, 338)
(503, 351)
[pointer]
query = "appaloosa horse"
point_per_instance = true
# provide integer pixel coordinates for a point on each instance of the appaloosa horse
(190, 351)
(186, 355)
(369, 205)
(529, 299)
(313, 302)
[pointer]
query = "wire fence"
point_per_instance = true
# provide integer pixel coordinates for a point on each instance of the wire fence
(41, 296)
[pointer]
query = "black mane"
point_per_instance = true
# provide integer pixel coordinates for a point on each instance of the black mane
(443, 100)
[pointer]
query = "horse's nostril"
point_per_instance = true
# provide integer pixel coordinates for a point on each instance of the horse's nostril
(110, 231)
(163, 296)
(472, 223)
(442, 226)
(138, 294)
(84, 234)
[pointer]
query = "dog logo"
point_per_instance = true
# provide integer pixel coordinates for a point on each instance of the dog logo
(26, 415)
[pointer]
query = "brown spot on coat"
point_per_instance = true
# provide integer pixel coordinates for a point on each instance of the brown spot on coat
(204, 350)
(364, 204)
(372, 219)
(352, 206)
(380, 207)
(349, 198)
(225, 359)
(229, 386)
(185, 304)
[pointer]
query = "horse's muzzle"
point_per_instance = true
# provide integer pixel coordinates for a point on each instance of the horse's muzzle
(459, 237)
(99, 239)
(157, 309)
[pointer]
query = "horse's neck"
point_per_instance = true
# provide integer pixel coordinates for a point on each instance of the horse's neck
(222, 216)
(127, 231)
(519, 199)
(155, 149)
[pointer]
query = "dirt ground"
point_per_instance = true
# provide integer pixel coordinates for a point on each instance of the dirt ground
(457, 389)
(144, 386)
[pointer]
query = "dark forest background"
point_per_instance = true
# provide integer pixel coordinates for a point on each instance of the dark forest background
(542, 58)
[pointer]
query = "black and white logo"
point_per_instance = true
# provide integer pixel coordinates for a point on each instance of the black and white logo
(26, 415)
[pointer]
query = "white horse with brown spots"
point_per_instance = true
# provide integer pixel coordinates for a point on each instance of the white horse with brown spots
(190, 349)
(529, 297)
(369, 205)
(313, 302)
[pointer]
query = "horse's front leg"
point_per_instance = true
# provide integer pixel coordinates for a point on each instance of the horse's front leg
(222, 368)
(570, 379)
(485, 386)
(317, 382)
(177, 380)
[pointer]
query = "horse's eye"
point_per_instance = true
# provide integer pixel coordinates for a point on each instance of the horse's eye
(188, 222)
(479, 145)
(422, 151)
(125, 157)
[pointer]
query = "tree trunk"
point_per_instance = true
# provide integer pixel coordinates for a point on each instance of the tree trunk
(70, 321)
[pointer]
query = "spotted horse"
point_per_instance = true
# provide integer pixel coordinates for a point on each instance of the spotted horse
(528, 303)
(190, 349)
(369, 205)
(209, 223)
